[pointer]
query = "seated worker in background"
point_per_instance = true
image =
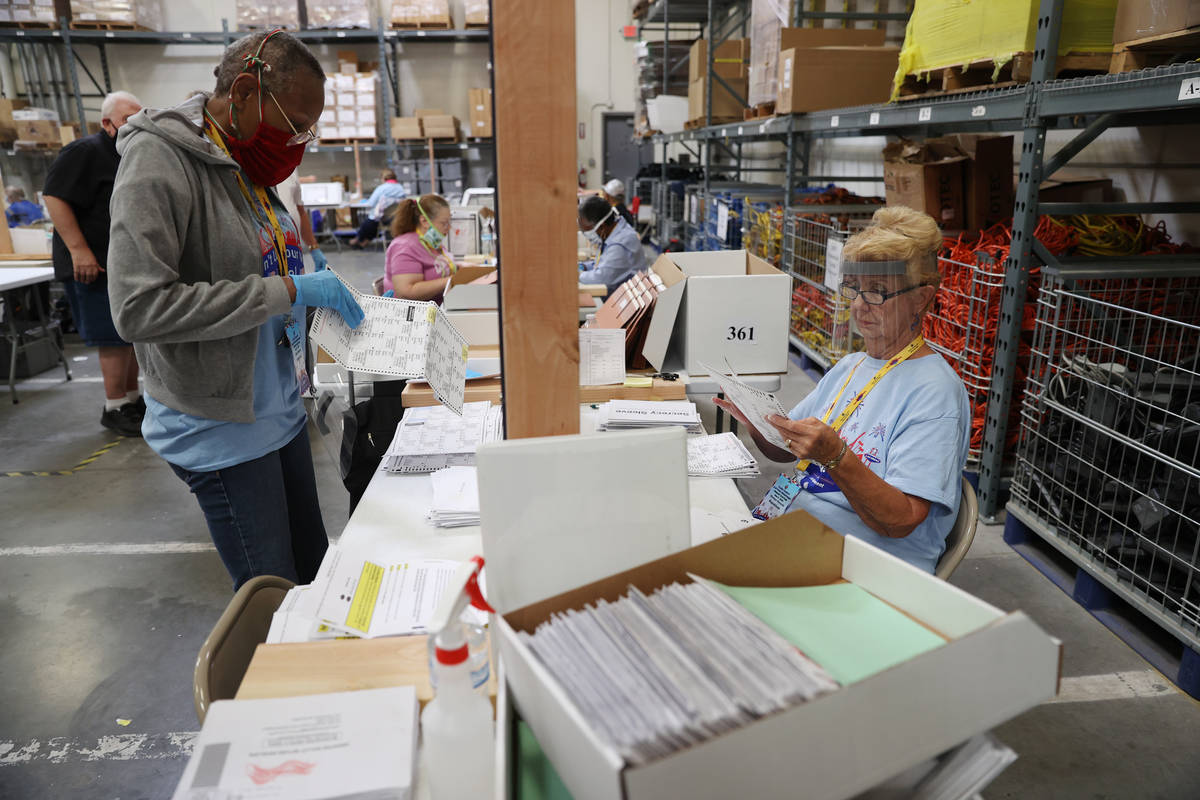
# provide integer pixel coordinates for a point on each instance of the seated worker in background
(380, 206)
(417, 266)
(621, 252)
(293, 200)
(882, 439)
(20, 211)
(614, 193)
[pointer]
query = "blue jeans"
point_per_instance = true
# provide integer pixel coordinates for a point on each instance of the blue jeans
(263, 515)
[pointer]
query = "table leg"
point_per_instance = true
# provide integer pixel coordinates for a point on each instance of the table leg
(720, 414)
(350, 382)
(41, 312)
(13, 337)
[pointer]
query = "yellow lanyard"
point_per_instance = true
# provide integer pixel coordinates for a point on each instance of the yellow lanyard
(856, 401)
(264, 202)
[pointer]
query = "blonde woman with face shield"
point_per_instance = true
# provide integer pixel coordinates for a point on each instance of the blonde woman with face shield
(881, 442)
(621, 253)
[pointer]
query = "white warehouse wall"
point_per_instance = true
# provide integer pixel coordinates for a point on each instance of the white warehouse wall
(604, 76)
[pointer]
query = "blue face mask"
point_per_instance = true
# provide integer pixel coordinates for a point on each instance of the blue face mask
(432, 236)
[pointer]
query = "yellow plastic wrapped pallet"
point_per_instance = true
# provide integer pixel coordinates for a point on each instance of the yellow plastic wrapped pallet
(945, 33)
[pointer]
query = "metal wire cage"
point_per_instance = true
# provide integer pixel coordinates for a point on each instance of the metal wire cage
(1109, 455)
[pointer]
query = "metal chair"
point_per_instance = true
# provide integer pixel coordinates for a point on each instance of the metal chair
(227, 651)
(958, 541)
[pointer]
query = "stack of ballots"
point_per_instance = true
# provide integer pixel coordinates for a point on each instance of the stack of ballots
(455, 498)
(720, 455)
(433, 437)
(624, 415)
(656, 674)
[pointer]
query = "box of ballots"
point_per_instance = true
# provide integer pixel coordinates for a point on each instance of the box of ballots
(361, 744)
(471, 288)
(899, 642)
(431, 438)
(401, 338)
(629, 308)
(720, 456)
(717, 307)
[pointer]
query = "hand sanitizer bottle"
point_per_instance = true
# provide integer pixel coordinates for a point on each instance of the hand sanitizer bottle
(456, 726)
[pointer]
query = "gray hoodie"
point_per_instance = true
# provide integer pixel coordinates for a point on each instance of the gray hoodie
(185, 266)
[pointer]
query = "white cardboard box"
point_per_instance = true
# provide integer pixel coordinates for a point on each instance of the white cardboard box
(720, 306)
(477, 327)
(993, 666)
(462, 295)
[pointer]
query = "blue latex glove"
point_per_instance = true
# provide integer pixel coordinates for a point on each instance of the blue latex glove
(319, 260)
(390, 293)
(324, 290)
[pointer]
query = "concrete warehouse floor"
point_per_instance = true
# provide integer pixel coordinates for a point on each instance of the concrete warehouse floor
(108, 586)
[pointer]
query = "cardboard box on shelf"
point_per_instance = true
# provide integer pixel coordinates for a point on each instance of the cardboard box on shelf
(731, 59)
(1138, 19)
(817, 78)
(255, 15)
(365, 116)
(927, 177)
(725, 106)
(42, 131)
(420, 14)
(481, 112)
(440, 126)
(342, 82)
(8, 130)
(768, 40)
(988, 190)
(476, 13)
(363, 131)
(888, 712)
(407, 128)
(1077, 190)
(422, 113)
(365, 82)
(718, 306)
(364, 99)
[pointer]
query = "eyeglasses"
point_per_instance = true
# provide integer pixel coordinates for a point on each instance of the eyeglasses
(298, 137)
(872, 297)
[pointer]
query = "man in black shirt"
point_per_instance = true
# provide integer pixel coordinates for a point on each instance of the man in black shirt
(78, 188)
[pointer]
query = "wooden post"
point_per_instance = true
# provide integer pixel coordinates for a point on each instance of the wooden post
(533, 44)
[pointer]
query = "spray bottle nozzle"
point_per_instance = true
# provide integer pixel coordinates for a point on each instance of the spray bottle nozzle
(463, 590)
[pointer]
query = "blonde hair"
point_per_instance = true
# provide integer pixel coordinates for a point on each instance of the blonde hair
(897, 233)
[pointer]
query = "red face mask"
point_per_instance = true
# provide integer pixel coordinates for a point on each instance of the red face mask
(266, 156)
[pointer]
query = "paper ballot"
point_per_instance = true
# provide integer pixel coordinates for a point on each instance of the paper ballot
(403, 338)
(601, 356)
(721, 454)
(318, 747)
(754, 403)
(368, 597)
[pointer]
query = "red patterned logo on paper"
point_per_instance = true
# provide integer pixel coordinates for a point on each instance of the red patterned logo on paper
(263, 775)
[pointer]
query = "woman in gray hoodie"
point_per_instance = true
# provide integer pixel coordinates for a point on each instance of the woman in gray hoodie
(207, 280)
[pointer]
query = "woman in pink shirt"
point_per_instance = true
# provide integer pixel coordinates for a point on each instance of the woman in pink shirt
(417, 265)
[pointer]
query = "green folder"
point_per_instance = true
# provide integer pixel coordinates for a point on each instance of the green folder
(842, 627)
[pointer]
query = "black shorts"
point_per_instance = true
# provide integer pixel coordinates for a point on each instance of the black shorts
(92, 313)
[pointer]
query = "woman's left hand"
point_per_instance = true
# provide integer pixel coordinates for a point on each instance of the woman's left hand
(808, 438)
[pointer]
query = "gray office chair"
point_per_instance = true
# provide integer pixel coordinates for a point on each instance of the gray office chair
(958, 541)
(227, 651)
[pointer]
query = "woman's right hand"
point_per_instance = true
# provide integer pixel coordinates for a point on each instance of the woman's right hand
(324, 290)
(733, 411)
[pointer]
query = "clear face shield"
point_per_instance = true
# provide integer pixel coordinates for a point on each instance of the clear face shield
(880, 301)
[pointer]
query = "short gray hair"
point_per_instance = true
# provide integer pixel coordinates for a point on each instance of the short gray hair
(14, 192)
(110, 103)
(283, 53)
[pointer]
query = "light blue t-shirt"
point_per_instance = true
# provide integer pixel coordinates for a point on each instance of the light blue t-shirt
(390, 191)
(204, 445)
(912, 430)
(621, 255)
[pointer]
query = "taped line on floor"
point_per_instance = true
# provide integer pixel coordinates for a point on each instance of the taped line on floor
(110, 549)
(120, 747)
(59, 472)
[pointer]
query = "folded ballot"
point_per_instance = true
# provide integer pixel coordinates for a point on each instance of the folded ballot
(455, 497)
(625, 415)
(432, 438)
(720, 455)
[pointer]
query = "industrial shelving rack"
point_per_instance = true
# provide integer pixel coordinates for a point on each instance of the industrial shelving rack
(1090, 105)
(49, 57)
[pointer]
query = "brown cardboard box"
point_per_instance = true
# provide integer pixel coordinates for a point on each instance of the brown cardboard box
(67, 134)
(831, 37)
(1137, 19)
(989, 178)
(725, 106)
(8, 128)
(730, 61)
(927, 177)
(1077, 190)
(816, 78)
(440, 126)
(407, 128)
(37, 130)
(422, 113)
(481, 112)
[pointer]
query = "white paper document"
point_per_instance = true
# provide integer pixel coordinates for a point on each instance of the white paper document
(722, 455)
(367, 597)
(402, 338)
(455, 497)
(601, 356)
(431, 438)
(638, 414)
(756, 404)
(317, 747)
